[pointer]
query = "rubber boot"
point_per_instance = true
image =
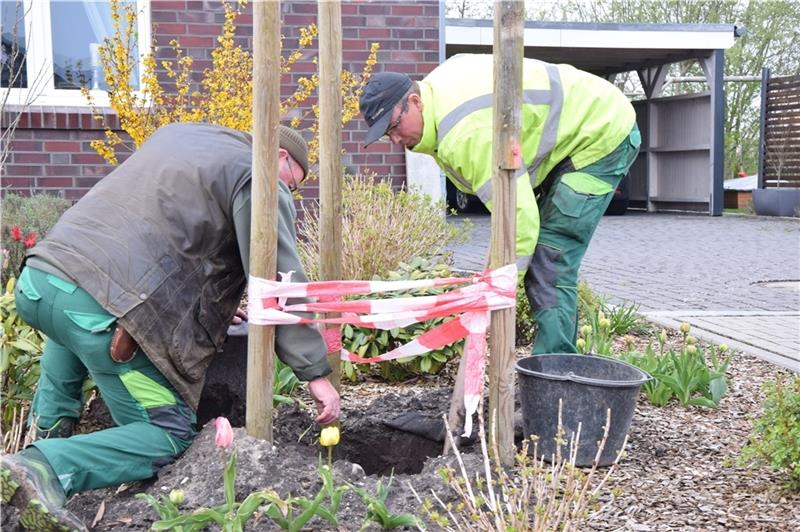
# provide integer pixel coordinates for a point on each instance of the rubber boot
(28, 482)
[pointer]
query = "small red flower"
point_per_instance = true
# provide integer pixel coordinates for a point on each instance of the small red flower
(16, 233)
(30, 240)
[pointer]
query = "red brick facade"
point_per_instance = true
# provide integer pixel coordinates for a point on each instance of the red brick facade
(50, 150)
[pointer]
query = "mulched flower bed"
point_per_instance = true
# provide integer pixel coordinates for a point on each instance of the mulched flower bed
(679, 471)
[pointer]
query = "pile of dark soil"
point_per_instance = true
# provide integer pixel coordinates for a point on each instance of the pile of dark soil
(369, 451)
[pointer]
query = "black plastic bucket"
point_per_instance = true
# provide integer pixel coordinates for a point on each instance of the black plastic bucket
(588, 386)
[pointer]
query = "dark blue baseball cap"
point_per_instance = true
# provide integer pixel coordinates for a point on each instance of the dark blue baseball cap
(383, 91)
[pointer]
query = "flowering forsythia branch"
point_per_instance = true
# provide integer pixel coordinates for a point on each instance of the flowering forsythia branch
(223, 96)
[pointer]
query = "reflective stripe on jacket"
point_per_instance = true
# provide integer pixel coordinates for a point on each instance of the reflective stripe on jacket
(566, 113)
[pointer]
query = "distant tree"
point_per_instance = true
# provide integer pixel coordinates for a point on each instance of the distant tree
(772, 40)
(478, 9)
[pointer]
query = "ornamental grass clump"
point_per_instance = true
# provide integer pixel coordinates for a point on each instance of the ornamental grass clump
(381, 228)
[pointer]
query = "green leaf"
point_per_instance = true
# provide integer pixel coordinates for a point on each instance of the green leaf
(718, 387)
(702, 401)
(282, 399)
(425, 364)
(201, 516)
(438, 356)
(25, 345)
(250, 505)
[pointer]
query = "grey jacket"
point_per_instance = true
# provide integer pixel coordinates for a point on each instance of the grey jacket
(155, 243)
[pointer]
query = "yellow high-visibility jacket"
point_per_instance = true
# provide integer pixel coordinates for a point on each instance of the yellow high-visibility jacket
(566, 113)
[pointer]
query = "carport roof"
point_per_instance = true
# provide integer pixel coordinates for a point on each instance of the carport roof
(600, 48)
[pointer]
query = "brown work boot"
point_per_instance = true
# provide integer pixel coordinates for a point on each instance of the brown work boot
(62, 429)
(28, 482)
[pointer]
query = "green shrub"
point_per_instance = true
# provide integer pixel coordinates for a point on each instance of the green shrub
(20, 350)
(775, 438)
(26, 220)
(381, 228)
(367, 342)
(525, 323)
(284, 383)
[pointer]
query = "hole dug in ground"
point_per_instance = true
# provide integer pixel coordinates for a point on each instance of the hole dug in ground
(381, 450)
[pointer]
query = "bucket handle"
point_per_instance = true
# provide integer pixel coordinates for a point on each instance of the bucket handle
(588, 380)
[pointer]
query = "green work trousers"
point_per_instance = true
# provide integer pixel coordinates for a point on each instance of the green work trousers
(569, 212)
(154, 424)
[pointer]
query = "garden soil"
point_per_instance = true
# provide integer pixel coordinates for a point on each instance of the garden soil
(679, 471)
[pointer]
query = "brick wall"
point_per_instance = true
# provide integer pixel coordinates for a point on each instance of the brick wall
(51, 149)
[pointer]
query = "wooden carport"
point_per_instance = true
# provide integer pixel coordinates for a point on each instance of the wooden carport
(680, 166)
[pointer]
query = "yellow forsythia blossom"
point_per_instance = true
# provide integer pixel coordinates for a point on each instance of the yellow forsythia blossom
(223, 95)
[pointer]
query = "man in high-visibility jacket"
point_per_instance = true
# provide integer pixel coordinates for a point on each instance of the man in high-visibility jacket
(579, 138)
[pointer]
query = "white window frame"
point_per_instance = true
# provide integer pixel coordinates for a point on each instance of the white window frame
(39, 59)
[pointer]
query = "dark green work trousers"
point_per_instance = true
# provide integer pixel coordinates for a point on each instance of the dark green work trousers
(568, 219)
(154, 423)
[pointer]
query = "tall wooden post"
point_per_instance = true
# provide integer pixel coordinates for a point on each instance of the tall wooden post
(506, 160)
(264, 205)
(330, 152)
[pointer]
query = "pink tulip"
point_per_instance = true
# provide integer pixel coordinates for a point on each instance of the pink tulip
(224, 436)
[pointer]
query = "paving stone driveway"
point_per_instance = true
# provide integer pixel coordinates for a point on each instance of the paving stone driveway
(735, 279)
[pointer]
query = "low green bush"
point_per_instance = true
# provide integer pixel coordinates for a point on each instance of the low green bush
(20, 350)
(775, 437)
(26, 220)
(525, 323)
(367, 342)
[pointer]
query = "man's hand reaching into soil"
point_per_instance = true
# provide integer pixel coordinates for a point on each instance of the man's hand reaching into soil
(326, 398)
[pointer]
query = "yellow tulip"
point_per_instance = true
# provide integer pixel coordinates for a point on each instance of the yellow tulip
(329, 436)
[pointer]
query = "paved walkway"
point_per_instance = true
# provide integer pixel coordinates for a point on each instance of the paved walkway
(735, 279)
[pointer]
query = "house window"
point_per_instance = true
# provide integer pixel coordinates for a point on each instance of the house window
(51, 48)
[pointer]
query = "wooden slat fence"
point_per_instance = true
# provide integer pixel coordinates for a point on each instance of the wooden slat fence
(779, 164)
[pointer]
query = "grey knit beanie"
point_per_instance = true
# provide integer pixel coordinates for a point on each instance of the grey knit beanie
(291, 141)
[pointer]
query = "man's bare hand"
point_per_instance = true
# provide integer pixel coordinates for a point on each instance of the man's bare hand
(239, 317)
(326, 398)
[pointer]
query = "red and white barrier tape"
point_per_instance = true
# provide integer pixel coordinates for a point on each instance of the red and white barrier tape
(470, 305)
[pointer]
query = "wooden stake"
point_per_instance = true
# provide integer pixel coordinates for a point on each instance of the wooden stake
(330, 153)
(264, 205)
(506, 159)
